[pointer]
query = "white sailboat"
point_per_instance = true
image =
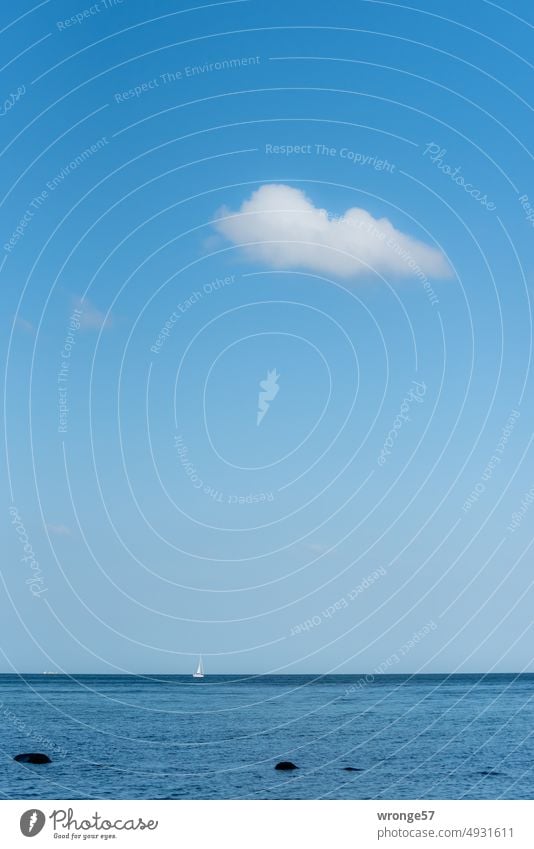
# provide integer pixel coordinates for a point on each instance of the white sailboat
(200, 669)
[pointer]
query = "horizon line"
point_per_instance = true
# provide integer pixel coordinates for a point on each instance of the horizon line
(271, 674)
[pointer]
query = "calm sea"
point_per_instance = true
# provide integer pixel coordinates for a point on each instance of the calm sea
(171, 737)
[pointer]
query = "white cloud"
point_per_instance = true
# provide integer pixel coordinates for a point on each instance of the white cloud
(92, 318)
(24, 325)
(59, 530)
(316, 547)
(280, 226)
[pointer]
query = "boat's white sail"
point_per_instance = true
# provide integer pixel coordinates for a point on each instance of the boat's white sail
(200, 669)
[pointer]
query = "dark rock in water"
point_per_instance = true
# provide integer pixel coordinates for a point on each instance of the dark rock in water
(33, 758)
(352, 769)
(286, 765)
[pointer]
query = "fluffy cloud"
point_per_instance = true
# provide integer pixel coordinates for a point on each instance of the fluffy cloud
(279, 225)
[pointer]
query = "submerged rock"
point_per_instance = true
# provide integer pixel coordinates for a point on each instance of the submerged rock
(32, 758)
(286, 765)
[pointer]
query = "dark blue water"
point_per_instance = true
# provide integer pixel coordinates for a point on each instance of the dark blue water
(170, 737)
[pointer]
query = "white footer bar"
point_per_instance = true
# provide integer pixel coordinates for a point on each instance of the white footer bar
(268, 824)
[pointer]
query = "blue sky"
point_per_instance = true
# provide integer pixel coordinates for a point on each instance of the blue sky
(339, 195)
